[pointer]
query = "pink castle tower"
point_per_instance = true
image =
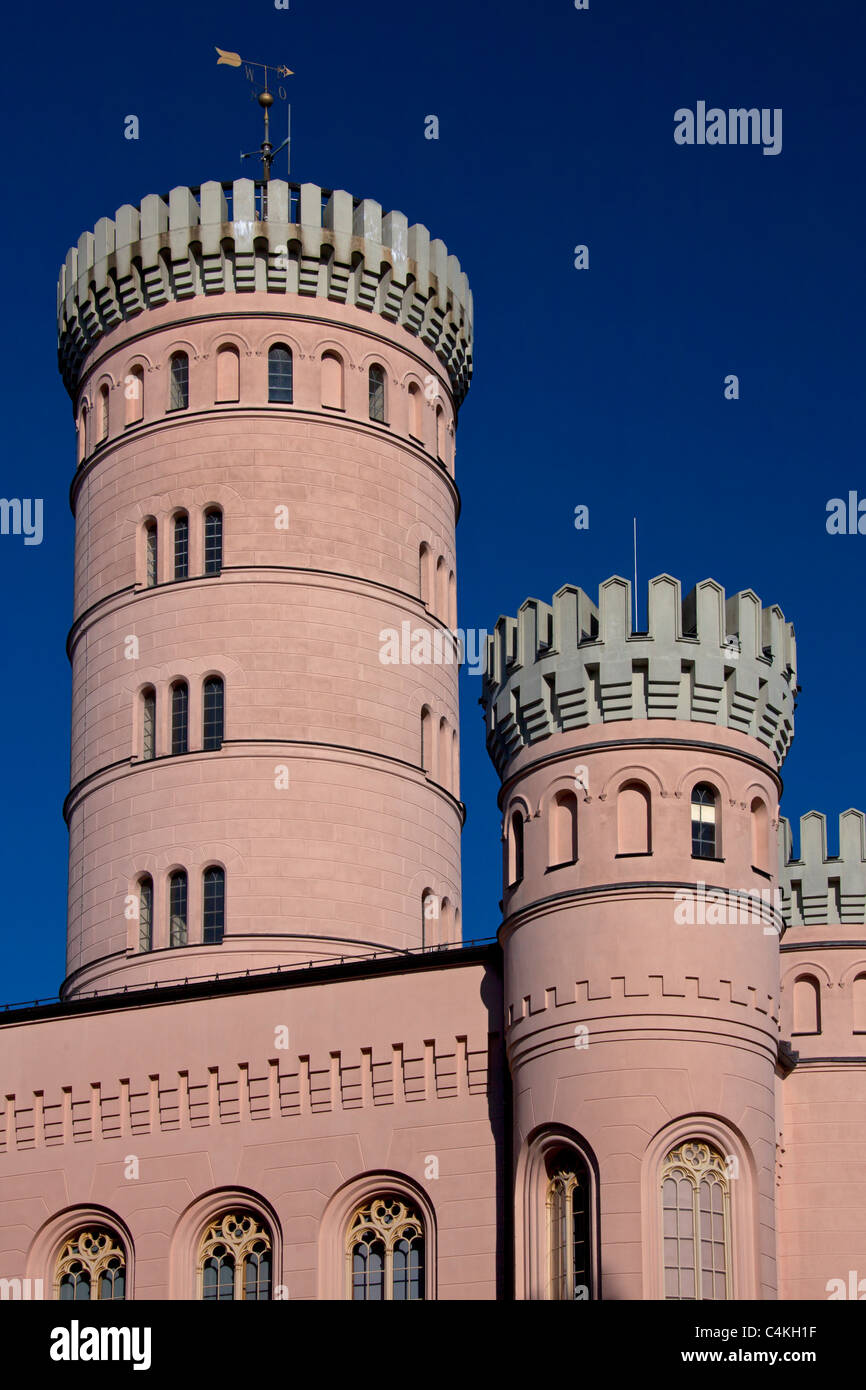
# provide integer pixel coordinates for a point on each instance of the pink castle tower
(640, 791)
(266, 383)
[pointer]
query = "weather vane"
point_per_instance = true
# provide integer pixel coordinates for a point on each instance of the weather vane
(267, 154)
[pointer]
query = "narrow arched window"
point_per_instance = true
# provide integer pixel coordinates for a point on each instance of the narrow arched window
(696, 1223)
(148, 723)
(569, 1224)
(515, 848)
(228, 364)
(633, 819)
(760, 835)
(455, 764)
(452, 601)
(179, 717)
(427, 739)
(415, 411)
(82, 434)
(280, 375)
(332, 381)
(151, 554)
(213, 541)
(441, 605)
(440, 434)
(145, 914)
(429, 918)
(425, 575)
(385, 1252)
(807, 1005)
(133, 395)
(562, 829)
(235, 1260)
(181, 546)
(376, 392)
(178, 390)
(213, 713)
(213, 905)
(178, 908)
(858, 990)
(102, 414)
(444, 754)
(705, 827)
(91, 1266)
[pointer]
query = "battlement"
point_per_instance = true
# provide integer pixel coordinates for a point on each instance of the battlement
(704, 658)
(818, 890)
(280, 238)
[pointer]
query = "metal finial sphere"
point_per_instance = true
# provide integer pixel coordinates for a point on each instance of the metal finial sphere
(265, 99)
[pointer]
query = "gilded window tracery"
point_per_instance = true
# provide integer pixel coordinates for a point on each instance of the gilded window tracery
(91, 1266)
(696, 1229)
(385, 1252)
(235, 1260)
(568, 1225)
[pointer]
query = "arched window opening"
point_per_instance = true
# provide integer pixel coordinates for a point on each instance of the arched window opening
(427, 740)
(385, 1252)
(455, 764)
(179, 718)
(696, 1219)
(429, 918)
(705, 826)
(444, 753)
(213, 905)
(178, 395)
(425, 574)
(213, 541)
(235, 1259)
(228, 381)
(151, 554)
(145, 914)
(376, 391)
(415, 412)
(515, 848)
(181, 546)
(102, 414)
(82, 434)
(91, 1266)
(133, 395)
(440, 434)
(634, 819)
(148, 723)
(569, 1196)
(452, 601)
(441, 607)
(177, 908)
(807, 1005)
(332, 381)
(760, 835)
(280, 374)
(562, 829)
(858, 990)
(213, 713)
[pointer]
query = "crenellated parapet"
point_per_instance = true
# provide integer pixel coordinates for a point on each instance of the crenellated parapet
(279, 238)
(818, 889)
(705, 658)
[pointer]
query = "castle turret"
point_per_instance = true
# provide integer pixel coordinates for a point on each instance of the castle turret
(640, 792)
(265, 383)
(823, 1170)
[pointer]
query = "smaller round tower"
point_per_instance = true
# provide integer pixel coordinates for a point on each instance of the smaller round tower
(822, 1225)
(640, 793)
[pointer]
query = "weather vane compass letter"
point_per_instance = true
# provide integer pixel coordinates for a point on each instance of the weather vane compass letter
(267, 154)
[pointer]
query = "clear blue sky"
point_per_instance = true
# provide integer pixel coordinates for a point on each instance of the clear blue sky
(602, 387)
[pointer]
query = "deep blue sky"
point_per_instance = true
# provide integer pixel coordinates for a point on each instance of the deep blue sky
(603, 387)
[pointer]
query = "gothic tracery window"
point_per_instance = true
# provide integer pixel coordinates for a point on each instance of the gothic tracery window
(235, 1259)
(568, 1227)
(91, 1265)
(696, 1223)
(385, 1252)
(705, 822)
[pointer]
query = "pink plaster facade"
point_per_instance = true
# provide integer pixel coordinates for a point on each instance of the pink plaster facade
(337, 1043)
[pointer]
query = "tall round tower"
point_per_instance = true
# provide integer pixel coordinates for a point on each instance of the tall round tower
(266, 381)
(640, 791)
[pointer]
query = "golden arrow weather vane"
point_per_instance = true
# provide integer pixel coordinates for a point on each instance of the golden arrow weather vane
(267, 153)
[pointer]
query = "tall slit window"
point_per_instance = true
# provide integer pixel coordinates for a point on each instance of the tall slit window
(705, 827)
(150, 554)
(178, 908)
(181, 546)
(562, 829)
(91, 1266)
(82, 434)
(696, 1223)
(235, 1260)
(102, 414)
(376, 387)
(213, 713)
(148, 723)
(515, 848)
(179, 717)
(213, 906)
(145, 915)
(568, 1227)
(133, 394)
(213, 540)
(385, 1252)
(280, 384)
(178, 392)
